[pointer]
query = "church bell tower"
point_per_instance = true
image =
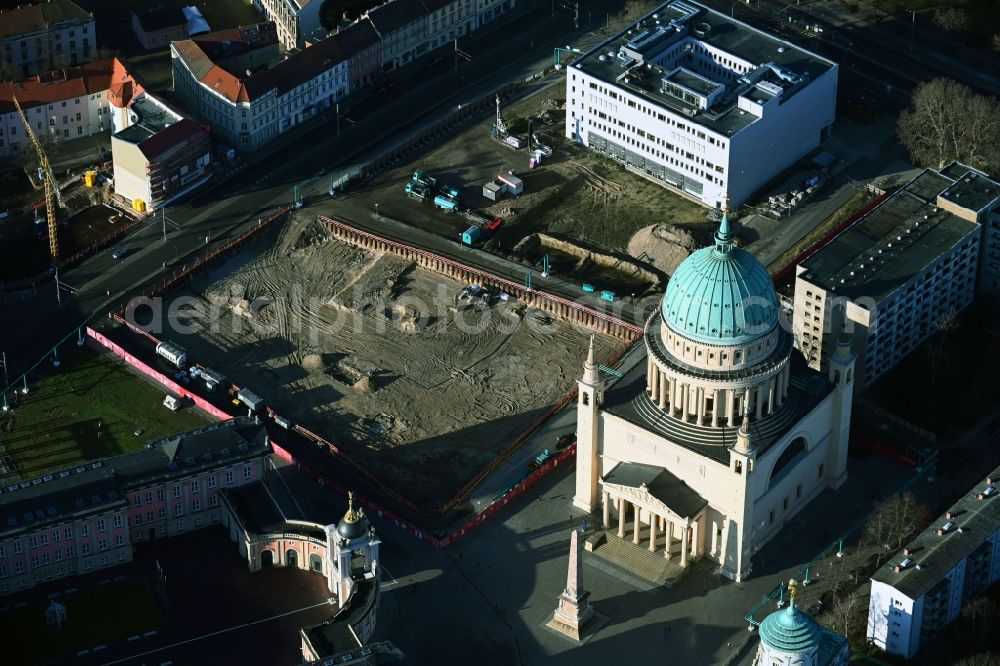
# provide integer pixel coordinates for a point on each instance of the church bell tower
(588, 465)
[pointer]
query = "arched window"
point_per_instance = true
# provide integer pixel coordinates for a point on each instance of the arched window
(791, 455)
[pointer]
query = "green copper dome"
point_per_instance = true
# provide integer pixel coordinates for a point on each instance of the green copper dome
(790, 631)
(721, 295)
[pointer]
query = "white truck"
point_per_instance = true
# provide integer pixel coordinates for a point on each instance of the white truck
(171, 403)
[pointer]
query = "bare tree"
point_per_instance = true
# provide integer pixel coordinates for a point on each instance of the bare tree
(946, 323)
(947, 121)
(844, 615)
(951, 19)
(894, 522)
(980, 614)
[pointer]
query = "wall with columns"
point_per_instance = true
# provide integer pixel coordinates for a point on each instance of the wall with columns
(716, 357)
(718, 483)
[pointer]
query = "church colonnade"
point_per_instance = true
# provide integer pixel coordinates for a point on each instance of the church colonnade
(699, 402)
(673, 529)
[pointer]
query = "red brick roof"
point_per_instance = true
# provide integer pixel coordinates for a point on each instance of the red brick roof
(57, 86)
(123, 87)
(199, 55)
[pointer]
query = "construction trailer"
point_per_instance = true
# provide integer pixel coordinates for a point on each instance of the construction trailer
(172, 353)
(493, 191)
(253, 401)
(511, 183)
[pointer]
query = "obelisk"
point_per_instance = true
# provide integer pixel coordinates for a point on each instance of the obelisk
(574, 611)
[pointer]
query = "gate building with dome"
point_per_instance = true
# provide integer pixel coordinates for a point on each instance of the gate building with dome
(724, 434)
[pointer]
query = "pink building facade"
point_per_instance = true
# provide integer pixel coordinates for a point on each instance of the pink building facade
(87, 518)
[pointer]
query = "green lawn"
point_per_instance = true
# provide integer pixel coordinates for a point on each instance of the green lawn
(87, 408)
(93, 618)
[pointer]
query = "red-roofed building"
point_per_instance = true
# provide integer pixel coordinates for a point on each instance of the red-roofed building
(67, 103)
(158, 154)
(44, 36)
(237, 81)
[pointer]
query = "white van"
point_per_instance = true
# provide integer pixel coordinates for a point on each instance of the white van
(171, 403)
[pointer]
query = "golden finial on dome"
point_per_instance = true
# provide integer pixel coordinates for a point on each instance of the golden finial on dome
(793, 588)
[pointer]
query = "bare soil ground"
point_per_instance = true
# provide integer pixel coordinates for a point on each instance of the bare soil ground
(575, 193)
(378, 355)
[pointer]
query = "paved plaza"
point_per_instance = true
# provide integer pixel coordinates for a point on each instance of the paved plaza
(489, 595)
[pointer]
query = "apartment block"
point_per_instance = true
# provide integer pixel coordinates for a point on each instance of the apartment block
(44, 36)
(238, 81)
(900, 271)
(917, 594)
(65, 104)
(297, 21)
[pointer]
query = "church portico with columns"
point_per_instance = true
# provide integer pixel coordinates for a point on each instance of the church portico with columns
(724, 434)
(673, 513)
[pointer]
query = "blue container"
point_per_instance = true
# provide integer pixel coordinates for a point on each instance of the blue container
(608, 295)
(588, 288)
(471, 235)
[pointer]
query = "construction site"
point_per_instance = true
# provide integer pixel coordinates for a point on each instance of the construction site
(543, 195)
(420, 378)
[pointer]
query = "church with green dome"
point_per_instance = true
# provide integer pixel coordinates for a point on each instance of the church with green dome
(724, 434)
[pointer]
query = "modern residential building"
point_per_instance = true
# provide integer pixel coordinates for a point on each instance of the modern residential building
(916, 594)
(725, 435)
(693, 99)
(87, 517)
(361, 42)
(156, 27)
(900, 270)
(67, 104)
(410, 28)
(44, 36)
(249, 94)
(297, 21)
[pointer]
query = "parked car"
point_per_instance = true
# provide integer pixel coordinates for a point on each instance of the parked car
(121, 253)
(565, 440)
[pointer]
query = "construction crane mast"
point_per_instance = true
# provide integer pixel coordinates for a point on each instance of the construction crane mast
(51, 187)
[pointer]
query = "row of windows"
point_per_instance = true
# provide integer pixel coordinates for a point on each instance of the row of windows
(650, 111)
(673, 161)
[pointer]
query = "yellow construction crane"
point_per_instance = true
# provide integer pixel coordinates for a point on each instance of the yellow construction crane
(51, 187)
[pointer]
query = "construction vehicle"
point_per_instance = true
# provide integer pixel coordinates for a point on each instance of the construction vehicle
(421, 186)
(500, 132)
(448, 199)
(445, 202)
(417, 191)
(422, 178)
(52, 195)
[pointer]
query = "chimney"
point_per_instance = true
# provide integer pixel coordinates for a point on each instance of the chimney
(897, 568)
(906, 551)
(989, 480)
(940, 532)
(949, 515)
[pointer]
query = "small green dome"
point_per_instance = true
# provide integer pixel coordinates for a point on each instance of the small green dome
(721, 295)
(790, 631)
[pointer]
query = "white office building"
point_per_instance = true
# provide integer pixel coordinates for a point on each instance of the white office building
(896, 273)
(700, 102)
(918, 593)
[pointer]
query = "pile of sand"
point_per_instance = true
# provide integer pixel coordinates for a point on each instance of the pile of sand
(664, 246)
(365, 385)
(313, 363)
